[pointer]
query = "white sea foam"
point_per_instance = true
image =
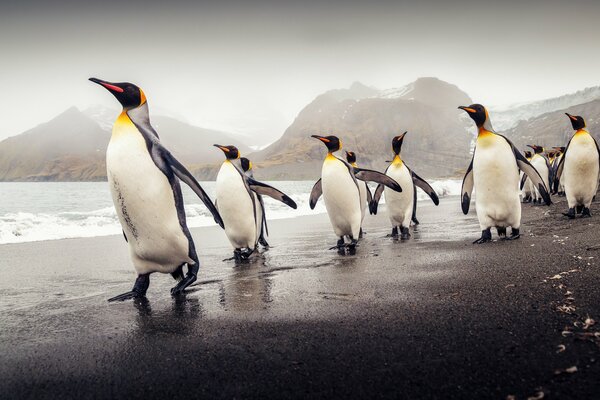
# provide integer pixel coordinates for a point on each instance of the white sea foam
(29, 221)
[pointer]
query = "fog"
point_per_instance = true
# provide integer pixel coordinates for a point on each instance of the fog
(250, 67)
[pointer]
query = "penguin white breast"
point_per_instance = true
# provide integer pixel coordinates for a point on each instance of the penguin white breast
(496, 182)
(144, 202)
(236, 208)
(539, 163)
(399, 204)
(341, 197)
(580, 171)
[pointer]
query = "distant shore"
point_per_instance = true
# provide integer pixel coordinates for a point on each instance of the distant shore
(434, 317)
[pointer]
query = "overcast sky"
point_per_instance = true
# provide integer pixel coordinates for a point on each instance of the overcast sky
(249, 67)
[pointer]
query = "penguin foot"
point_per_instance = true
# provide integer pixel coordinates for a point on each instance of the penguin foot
(361, 233)
(585, 213)
(352, 247)
(570, 213)
(486, 236)
(190, 278)
(514, 234)
(139, 289)
(405, 235)
(339, 246)
(394, 233)
(579, 209)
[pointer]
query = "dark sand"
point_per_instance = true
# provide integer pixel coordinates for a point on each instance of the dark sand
(435, 317)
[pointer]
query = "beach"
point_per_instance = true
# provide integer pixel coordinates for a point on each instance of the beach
(432, 317)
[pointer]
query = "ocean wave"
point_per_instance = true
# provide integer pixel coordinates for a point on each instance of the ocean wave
(16, 227)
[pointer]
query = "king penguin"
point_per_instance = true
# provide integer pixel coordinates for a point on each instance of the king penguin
(261, 215)
(237, 203)
(401, 207)
(363, 188)
(579, 168)
(542, 166)
(340, 189)
(526, 185)
(494, 172)
(144, 182)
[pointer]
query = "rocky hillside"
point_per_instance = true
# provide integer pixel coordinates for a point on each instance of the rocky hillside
(72, 146)
(366, 120)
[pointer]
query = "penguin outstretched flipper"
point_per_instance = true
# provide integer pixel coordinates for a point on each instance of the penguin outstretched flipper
(369, 197)
(315, 193)
(368, 175)
(529, 170)
(373, 204)
(467, 188)
(426, 187)
(267, 190)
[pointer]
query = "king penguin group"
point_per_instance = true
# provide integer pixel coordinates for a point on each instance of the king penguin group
(144, 179)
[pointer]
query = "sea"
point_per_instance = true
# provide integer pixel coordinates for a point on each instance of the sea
(35, 211)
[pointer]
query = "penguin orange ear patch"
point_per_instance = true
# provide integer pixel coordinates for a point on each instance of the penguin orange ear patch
(112, 87)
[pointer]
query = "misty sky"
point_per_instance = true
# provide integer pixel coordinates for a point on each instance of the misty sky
(249, 67)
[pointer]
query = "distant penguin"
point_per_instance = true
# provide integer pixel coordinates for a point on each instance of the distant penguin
(542, 166)
(237, 203)
(560, 190)
(494, 173)
(580, 167)
(341, 193)
(526, 186)
(401, 207)
(144, 181)
(259, 205)
(363, 188)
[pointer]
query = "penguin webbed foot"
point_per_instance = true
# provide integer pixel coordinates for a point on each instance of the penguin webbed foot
(585, 213)
(394, 234)
(486, 236)
(514, 234)
(139, 289)
(570, 213)
(340, 245)
(190, 278)
(405, 234)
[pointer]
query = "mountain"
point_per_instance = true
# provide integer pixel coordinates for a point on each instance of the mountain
(508, 117)
(72, 146)
(366, 120)
(554, 128)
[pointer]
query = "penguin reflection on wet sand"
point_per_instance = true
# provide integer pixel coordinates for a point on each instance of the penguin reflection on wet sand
(579, 169)
(494, 173)
(341, 193)
(144, 181)
(261, 215)
(237, 203)
(401, 207)
(363, 188)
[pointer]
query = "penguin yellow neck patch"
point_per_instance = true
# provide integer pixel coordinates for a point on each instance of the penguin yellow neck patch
(122, 124)
(397, 161)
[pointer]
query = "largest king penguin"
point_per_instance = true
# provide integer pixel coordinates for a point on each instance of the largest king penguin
(494, 173)
(144, 182)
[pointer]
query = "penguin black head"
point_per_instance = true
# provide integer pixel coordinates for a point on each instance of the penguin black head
(246, 164)
(527, 154)
(128, 94)
(351, 157)
(536, 149)
(332, 142)
(576, 121)
(477, 112)
(231, 152)
(397, 143)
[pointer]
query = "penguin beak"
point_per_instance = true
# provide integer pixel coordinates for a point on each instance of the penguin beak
(225, 149)
(468, 109)
(111, 87)
(401, 137)
(321, 138)
(571, 116)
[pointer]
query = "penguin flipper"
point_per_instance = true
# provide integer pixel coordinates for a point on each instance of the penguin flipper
(186, 176)
(368, 175)
(529, 170)
(369, 195)
(522, 183)
(426, 187)
(375, 202)
(264, 216)
(315, 193)
(266, 190)
(467, 188)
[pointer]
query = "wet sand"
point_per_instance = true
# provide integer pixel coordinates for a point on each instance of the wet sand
(434, 317)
